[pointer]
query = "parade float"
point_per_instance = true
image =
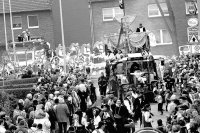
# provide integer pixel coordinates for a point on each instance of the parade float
(135, 65)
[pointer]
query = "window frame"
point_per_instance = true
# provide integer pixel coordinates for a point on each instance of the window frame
(186, 7)
(162, 37)
(113, 13)
(17, 28)
(159, 13)
(32, 27)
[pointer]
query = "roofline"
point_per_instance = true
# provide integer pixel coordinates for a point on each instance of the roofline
(95, 1)
(27, 11)
(50, 9)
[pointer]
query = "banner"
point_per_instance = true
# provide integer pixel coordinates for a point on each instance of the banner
(138, 39)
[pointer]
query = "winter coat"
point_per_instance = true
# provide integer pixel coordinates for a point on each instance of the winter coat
(45, 123)
(62, 112)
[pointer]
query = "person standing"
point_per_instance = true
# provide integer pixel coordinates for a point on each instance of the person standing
(141, 28)
(102, 82)
(83, 94)
(147, 116)
(62, 114)
(159, 100)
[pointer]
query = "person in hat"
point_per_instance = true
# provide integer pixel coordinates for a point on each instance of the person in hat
(94, 118)
(129, 103)
(107, 116)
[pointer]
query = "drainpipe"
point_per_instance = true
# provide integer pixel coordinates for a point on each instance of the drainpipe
(198, 7)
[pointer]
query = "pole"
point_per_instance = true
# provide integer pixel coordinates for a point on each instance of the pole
(26, 57)
(3, 71)
(4, 18)
(198, 7)
(11, 25)
(91, 24)
(63, 37)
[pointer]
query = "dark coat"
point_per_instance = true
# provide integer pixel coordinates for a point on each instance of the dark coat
(62, 112)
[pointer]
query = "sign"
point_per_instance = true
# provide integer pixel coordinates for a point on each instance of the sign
(192, 34)
(192, 22)
(195, 48)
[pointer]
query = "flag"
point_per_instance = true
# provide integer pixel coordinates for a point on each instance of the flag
(121, 4)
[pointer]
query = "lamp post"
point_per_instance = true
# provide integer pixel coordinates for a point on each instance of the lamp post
(62, 33)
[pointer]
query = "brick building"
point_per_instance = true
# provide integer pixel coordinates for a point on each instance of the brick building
(147, 13)
(76, 21)
(34, 15)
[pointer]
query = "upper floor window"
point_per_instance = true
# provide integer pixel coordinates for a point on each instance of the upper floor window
(33, 21)
(110, 13)
(17, 22)
(153, 10)
(162, 37)
(191, 7)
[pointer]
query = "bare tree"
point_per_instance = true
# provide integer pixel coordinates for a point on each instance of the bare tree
(172, 31)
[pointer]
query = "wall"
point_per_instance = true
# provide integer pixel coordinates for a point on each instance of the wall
(138, 7)
(45, 26)
(76, 21)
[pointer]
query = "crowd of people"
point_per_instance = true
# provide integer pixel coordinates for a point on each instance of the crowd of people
(179, 90)
(66, 103)
(69, 103)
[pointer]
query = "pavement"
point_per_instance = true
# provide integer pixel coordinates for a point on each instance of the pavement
(154, 106)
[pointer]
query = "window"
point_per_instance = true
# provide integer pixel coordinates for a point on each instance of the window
(191, 7)
(17, 22)
(33, 21)
(162, 37)
(153, 10)
(110, 13)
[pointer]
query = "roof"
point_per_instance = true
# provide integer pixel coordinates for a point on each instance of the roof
(100, 0)
(25, 5)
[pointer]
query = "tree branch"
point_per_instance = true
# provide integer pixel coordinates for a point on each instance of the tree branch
(165, 20)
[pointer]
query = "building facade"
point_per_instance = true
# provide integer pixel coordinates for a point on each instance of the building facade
(147, 13)
(34, 16)
(76, 21)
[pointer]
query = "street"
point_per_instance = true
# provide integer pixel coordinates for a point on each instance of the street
(154, 107)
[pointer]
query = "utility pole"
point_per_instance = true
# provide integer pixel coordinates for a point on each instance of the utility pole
(63, 37)
(5, 29)
(11, 25)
